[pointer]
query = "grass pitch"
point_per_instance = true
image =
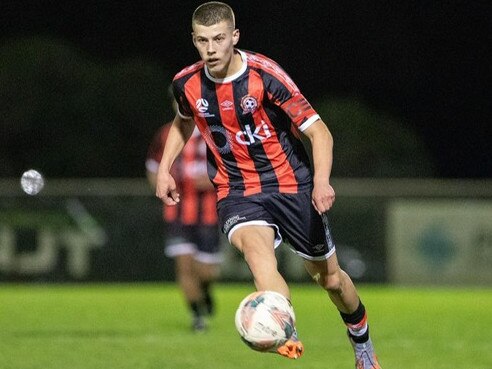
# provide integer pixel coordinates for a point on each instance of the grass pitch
(146, 326)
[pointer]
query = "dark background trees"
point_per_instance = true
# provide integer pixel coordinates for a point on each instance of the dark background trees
(404, 86)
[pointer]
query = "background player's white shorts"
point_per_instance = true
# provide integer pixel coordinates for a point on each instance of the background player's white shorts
(201, 241)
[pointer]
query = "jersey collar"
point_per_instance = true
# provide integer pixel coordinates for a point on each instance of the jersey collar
(234, 76)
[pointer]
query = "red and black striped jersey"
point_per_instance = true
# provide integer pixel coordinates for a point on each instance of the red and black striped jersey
(250, 122)
(197, 207)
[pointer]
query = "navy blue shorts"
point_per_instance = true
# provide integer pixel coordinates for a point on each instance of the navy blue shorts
(291, 215)
(201, 241)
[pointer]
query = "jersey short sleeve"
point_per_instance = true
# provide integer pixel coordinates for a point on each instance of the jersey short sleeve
(178, 85)
(184, 109)
(300, 111)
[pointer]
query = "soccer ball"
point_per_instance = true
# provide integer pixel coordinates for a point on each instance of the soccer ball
(265, 320)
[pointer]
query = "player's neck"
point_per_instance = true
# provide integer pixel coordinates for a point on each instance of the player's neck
(234, 66)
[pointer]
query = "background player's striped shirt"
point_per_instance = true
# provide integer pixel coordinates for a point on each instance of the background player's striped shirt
(251, 123)
(196, 207)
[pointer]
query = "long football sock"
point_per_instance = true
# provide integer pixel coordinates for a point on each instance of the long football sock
(356, 323)
(195, 309)
(207, 298)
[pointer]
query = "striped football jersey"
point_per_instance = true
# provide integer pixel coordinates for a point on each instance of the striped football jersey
(251, 123)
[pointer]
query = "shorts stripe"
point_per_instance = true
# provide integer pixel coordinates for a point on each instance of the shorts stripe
(314, 258)
(208, 258)
(173, 251)
(278, 236)
(179, 249)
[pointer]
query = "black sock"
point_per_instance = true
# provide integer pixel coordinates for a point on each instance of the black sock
(195, 309)
(207, 298)
(355, 322)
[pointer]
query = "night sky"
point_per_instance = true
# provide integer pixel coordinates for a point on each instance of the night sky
(425, 62)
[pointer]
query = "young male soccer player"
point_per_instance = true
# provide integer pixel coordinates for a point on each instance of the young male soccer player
(251, 114)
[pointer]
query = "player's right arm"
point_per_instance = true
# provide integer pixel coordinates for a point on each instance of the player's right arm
(179, 133)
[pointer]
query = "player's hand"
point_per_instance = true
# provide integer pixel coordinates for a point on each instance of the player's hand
(166, 189)
(323, 197)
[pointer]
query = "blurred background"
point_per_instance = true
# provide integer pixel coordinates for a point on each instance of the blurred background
(404, 88)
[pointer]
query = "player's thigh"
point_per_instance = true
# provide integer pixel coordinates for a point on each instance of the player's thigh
(184, 264)
(251, 239)
(250, 229)
(257, 245)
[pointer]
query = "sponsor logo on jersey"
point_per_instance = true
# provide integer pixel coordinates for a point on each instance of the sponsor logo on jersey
(218, 137)
(249, 137)
(249, 104)
(227, 105)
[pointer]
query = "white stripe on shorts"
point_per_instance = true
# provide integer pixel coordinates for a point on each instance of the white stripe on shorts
(278, 237)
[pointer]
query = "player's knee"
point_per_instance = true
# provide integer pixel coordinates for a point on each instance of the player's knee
(333, 283)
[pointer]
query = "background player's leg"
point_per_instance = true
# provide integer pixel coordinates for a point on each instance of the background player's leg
(189, 283)
(187, 278)
(207, 262)
(207, 274)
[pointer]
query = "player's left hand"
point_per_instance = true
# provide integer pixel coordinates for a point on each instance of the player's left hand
(323, 197)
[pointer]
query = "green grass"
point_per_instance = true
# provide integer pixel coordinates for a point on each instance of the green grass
(146, 327)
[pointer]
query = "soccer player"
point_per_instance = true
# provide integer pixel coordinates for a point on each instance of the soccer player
(251, 115)
(192, 235)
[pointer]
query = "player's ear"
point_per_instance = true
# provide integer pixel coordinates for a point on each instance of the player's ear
(235, 36)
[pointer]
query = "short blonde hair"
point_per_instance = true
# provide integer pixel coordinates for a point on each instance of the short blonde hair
(212, 13)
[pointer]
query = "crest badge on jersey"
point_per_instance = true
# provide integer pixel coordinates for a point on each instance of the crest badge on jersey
(249, 104)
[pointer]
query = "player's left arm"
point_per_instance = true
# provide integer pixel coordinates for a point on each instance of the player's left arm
(283, 92)
(319, 135)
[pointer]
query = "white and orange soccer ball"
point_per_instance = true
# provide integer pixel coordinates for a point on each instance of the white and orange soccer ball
(265, 320)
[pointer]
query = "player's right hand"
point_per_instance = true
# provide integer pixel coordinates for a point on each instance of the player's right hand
(166, 189)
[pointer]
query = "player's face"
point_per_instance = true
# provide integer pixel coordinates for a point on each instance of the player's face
(215, 44)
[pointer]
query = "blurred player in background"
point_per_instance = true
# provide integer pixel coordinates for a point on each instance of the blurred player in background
(251, 115)
(192, 233)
